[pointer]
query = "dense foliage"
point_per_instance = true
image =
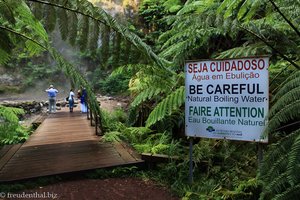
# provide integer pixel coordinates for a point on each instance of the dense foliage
(11, 131)
(178, 31)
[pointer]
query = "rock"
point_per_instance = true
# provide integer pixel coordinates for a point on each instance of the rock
(9, 80)
(27, 106)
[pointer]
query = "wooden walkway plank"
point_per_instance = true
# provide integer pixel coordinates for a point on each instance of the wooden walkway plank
(12, 149)
(64, 142)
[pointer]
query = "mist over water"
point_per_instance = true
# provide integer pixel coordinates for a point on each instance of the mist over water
(36, 92)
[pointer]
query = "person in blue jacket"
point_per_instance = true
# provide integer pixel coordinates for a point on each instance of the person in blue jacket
(83, 100)
(52, 92)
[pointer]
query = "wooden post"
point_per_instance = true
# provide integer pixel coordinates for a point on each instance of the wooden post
(91, 118)
(259, 153)
(191, 162)
(87, 111)
(96, 124)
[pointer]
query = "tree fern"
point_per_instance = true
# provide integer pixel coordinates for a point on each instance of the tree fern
(86, 9)
(167, 106)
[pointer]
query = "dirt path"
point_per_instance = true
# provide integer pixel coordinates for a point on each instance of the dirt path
(103, 189)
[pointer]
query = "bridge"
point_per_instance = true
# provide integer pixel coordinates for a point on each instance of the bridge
(64, 142)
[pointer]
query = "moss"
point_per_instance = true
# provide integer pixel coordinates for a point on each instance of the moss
(4, 89)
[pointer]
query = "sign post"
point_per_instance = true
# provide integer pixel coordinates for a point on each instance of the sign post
(191, 162)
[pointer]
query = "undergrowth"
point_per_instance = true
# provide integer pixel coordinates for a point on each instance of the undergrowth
(222, 169)
(11, 132)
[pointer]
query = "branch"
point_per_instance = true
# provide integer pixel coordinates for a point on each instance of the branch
(285, 18)
(273, 48)
(22, 35)
(69, 9)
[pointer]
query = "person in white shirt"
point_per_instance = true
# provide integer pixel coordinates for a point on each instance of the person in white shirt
(71, 100)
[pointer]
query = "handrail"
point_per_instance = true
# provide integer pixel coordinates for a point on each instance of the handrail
(95, 119)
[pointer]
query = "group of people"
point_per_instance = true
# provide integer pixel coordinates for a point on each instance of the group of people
(81, 95)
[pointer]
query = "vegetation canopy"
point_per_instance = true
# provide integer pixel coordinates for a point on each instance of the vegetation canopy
(146, 54)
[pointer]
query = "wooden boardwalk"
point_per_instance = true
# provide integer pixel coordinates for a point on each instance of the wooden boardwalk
(64, 142)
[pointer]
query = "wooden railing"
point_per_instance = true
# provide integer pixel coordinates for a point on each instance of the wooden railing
(95, 120)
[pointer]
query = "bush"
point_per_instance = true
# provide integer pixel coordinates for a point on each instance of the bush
(114, 84)
(10, 130)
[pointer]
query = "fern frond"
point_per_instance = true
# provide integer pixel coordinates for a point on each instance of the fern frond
(10, 130)
(10, 114)
(77, 78)
(287, 98)
(192, 6)
(49, 17)
(83, 33)
(146, 95)
(113, 136)
(286, 114)
(33, 47)
(73, 25)
(136, 134)
(7, 12)
(37, 10)
(167, 106)
(86, 9)
(278, 184)
(277, 150)
(27, 31)
(290, 193)
(105, 33)
(150, 77)
(293, 166)
(94, 36)
(279, 170)
(63, 22)
(5, 47)
(292, 82)
(257, 48)
(242, 9)
(117, 48)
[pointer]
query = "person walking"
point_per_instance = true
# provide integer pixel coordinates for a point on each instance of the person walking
(83, 100)
(52, 92)
(71, 100)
